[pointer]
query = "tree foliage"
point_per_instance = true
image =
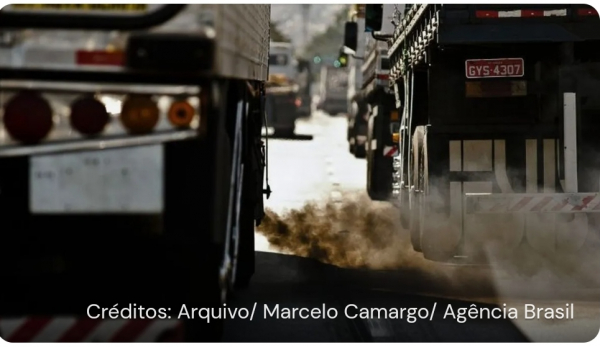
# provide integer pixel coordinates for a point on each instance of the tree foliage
(276, 34)
(329, 42)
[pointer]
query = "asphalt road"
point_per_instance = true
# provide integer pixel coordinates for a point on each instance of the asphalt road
(327, 256)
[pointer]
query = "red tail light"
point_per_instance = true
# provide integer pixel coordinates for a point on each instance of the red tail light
(587, 12)
(298, 102)
(486, 14)
(89, 116)
(28, 117)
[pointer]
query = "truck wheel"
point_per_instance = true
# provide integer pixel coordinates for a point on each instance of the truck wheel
(439, 238)
(360, 151)
(416, 195)
(379, 176)
(351, 139)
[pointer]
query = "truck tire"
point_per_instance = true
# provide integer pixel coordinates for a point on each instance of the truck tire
(379, 175)
(350, 137)
(437, 241)
(360, 149)
(416, 194)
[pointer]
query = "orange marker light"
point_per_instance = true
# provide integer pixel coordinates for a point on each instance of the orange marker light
(181, 114)
(396, 137)
(139, 114)
(394, 116)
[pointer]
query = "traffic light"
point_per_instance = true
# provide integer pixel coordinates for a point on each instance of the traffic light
(317, 59)
(373, 18)
(343, 59)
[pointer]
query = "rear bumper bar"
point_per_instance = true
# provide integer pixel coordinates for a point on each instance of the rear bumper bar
(97, 144)
(532, 203)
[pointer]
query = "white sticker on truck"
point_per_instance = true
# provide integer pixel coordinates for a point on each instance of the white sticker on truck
(109, 181)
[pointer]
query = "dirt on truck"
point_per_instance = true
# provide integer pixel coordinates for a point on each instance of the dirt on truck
(131, 167)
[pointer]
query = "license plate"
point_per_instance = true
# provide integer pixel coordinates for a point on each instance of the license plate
(491, 68)
(108, 181)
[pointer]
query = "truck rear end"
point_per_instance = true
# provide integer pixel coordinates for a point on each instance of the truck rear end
(130, 167)
(282, 105)
(334, 85)
(498, 151)
(283, 91)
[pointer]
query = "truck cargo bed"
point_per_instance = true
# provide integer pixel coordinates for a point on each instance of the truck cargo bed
(227, 41)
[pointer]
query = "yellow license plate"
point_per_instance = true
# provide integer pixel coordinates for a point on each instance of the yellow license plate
(81, 7)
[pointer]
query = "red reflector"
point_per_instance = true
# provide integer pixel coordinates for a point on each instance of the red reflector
(88, 116)
(532, 13)
(100, 58)
(486, 14)
(28, 117)
(587, 12)
(383, 77)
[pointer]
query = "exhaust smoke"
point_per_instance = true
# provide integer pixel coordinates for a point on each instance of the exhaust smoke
(367, 236)
(358, 233)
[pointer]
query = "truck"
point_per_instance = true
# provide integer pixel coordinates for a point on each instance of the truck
(371, 127)
(305, 83)
(333, 85)
(357, 110)
(497, 133)
(131, 167)
(283, 100)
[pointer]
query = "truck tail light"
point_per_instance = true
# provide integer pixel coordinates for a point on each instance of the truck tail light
(89, 116)
(28, 117)
(587, 12)
(139, 114)
(181, 114)
(396, 137)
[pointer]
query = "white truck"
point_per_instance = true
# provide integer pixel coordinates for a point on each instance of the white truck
(131, 167)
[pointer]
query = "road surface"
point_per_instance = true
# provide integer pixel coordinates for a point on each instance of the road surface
(318, 212)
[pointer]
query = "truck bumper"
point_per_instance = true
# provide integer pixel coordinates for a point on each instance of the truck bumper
(548, 223)
(77, 329)
(281, 111)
